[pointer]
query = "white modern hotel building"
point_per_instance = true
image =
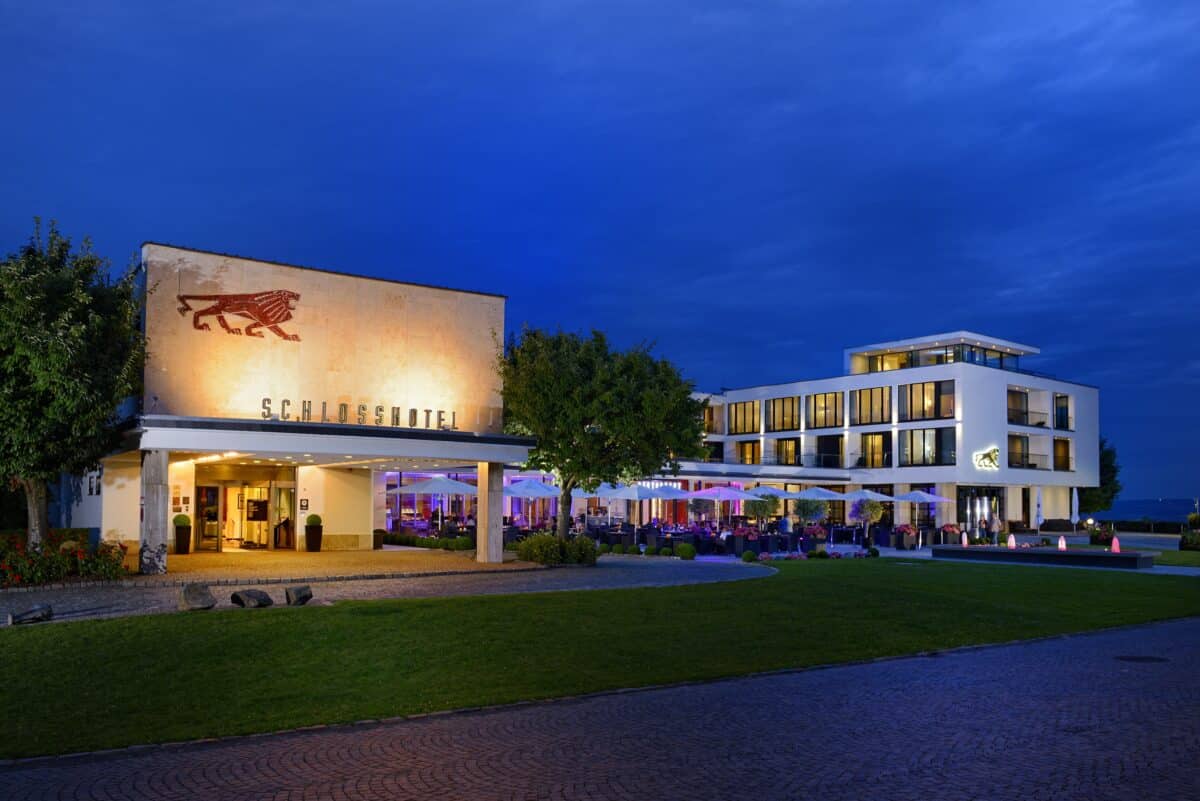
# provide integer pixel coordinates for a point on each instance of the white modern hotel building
(953, 414)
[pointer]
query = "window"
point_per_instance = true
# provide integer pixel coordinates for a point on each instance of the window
(927, 446)
(743, 417)
(889, 361)
(824, 409)
(787, 451)
(932, 400)
(712, 419)
(876, 450)
(1062, 455)
(1062, 413)
(1019, 454)
(783, 414)
(829, 451)
(714, 451)
(749, 452)
(870, 406)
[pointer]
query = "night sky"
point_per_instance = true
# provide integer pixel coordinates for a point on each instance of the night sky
(751, 191)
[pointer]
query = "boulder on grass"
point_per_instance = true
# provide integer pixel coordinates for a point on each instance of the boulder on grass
(196, 597)
(251, 599)
(37, 614)
(299, 595)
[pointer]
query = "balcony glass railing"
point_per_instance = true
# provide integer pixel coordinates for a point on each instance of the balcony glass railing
(823, 460)
(1066, 464)
(1064, 422)
(874, 461)
(1028, 461)
(1023, 417)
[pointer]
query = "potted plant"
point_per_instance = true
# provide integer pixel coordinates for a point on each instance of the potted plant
(183, 533)
(951, 533)
(313, 531)
(868, 513)
(377, 539)
(905, 537)
(818, 536)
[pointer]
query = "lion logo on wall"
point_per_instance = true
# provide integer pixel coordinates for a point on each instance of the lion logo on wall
(988, 460)
(263, 309)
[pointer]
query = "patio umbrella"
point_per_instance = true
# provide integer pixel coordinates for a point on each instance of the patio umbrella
(668, 493)
(632, 492)
(819, 494)
(762, 492)
(530, 489)
(438, 485)
(719, 494)
(1037, 518)
(920, 496)
(1074, 507)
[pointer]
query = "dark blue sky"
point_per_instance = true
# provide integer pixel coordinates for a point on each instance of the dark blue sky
(753, 190)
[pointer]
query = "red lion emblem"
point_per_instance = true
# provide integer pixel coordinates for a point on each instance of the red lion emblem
(262, 308)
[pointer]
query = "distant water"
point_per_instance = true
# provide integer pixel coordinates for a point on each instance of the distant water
(1153, 508)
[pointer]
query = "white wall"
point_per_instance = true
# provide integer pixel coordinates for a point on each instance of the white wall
(120, 518)
(342, 497)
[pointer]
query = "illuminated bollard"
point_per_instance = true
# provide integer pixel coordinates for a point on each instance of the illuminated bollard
(1062, 543)
(964, 540)
(1012, 542)
(1116, 546)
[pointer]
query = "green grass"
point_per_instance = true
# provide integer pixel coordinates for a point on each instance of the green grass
(99, 684)
(1175, 558)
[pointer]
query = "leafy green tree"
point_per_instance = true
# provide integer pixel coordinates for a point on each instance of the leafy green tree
(71, 351)
(1098, 499)
(598, 414)
(810, 511)
(868, 513)
(761, 509)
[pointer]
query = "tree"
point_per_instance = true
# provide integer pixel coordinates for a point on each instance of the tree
(1098, 499)
(71, 351)
(868, 513)
(598, 415)
(810, 511)
(762, 508)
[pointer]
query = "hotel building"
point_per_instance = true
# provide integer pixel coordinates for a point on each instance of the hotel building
(273, 392)
(953, 414)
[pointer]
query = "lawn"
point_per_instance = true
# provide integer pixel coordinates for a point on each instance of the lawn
(1177, 558)
(99, 684)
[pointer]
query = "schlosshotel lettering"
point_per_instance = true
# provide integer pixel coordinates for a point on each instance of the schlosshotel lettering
(398, 417)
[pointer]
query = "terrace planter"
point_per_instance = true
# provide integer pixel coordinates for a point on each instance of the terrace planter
(312, 538)
(183, 539)
(906, 542)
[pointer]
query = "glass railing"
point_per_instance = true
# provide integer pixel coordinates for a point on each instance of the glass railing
(874, 462)
(823, 460)
(1066, 464)
(1022, 417)
(1064, 422)
(1028, 461)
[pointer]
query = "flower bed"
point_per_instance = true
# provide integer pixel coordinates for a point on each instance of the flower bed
(63, 555)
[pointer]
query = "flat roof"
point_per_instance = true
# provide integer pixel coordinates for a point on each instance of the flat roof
(949, 338)
(321, 270)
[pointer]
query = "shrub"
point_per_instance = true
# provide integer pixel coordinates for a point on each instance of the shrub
(1194, 521)
(580, 551)
(1097, 537)
(1190, 542)
(664, 551)
(819, 555)
(749, 556)
(544, 549)
(603, 548)
(312, 520)
(21, 566)
(618, 549)
(649, 551)
(685, 551)
(872, 551)
(1045, 541)
(181, 520)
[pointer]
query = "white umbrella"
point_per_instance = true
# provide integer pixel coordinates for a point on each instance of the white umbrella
(631, 492)
(1038, 519)
(764, 491)
(921, 496)
(819, 494)
(719, 494)
(669, 493)
(600, 492)
(867, 495)
(438, 485)
(1074, 507)
(530, 489)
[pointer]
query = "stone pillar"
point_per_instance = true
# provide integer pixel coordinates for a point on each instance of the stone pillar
(489, 526)
(902, 510)
(947, 512)
(152, 556)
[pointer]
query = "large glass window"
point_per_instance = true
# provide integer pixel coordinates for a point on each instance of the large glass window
(889, 361)
(749, 452)
(787, 451)
(1062, 455)
(876, 450)
(829, 451)
(824, 410)
(870, 406)
(1020, 455)
(783, 414)
(712, 419)
(927, 446)
(931, 400)
(714, 451)
(1062, 413)
(743, 417)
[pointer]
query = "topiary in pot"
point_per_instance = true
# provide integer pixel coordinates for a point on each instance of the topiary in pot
(749, 556)
(313, 533)
(618, 549)
(183, 533)
(685, 551)
(664, 551)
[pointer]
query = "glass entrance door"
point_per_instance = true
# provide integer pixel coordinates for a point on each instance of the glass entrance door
(283, 526)
(208, 517)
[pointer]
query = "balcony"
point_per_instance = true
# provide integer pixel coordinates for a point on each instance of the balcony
(1028, 461)
(826, 460)
(1063, 422)
(863, 463)
(1064, 464)
(1023, 417)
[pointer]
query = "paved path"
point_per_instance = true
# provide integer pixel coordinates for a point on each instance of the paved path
(1096, 717)
(611, 572)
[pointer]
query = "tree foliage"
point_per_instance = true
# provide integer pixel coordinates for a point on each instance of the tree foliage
(765, 507)
(867, 512)
(599, 415)
(71, 351)
(1099, 499)
(810, 510)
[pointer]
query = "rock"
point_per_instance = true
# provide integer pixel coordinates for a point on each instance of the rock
(37, 614)
(251, 599)
(299, 595)
(196, 597)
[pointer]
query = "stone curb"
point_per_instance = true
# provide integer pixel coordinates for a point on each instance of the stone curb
(131, 583)
(133, 750)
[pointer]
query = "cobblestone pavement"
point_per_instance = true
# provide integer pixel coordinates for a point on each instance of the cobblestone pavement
(611, 572)
(1114, 715)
